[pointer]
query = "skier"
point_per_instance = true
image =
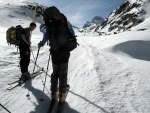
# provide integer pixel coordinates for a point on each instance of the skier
(60, 59)
(24, 49)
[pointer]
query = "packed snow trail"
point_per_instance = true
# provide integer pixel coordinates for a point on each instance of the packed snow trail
(117, 80)
(104, 71)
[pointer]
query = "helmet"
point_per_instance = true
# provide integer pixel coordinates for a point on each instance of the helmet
(43, 28)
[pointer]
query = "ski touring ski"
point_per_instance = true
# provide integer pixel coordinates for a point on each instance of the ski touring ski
(40, 67)
(60, 106)
(20, 78)
(52, 105)
(19, 82)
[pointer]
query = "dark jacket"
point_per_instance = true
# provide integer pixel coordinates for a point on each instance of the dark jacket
(27, 34)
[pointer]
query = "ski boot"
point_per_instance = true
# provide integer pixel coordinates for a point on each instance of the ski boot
(62, 97)
(25, 76)
(53, 95)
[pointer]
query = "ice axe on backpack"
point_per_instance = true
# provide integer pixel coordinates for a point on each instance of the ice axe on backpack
(34, 13)
(33, 18)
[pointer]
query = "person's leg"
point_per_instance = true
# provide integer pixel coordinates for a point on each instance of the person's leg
(63, 72)
(54, 78)
(27, 60)
(55, 74)
(22, 60)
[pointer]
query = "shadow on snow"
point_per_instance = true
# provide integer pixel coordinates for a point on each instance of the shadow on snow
(137, 49)
(43, 107)
(102, 109)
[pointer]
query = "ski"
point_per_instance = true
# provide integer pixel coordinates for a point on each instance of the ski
(55, 104)
(19, 78)
(19, 82)
(61, 105)
(39, 67)
(14, 82)
(52, 104)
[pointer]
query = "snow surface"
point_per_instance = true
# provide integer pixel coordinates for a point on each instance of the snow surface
(107, 74)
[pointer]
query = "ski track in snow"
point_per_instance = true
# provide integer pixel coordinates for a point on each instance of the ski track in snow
(109, 74)
(102, 64)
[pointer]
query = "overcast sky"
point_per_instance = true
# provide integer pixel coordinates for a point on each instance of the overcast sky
(80, 11)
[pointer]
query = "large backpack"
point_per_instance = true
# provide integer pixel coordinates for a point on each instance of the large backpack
(57, 27)
(13, 35)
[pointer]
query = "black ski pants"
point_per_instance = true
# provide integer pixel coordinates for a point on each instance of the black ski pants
(24, 58)
(60, 70)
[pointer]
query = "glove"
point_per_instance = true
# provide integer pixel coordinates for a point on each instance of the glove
(29, 43)
(40, 44)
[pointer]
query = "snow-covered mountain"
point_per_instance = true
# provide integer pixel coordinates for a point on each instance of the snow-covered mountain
(125, 17)
(107, 74)
(89, 25)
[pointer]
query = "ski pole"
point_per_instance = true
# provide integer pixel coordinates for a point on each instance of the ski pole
(45, 77)
(36, 59)
(40, 68)
(28, 95)
(32, 54)
(34, 65)
(5, 108)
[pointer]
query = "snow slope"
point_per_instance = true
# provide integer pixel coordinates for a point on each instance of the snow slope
(107, 74)
(126, 17)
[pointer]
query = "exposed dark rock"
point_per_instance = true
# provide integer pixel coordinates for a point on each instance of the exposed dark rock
(124, 17)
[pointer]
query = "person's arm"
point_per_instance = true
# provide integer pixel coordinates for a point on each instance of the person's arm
(70, 28)
(44, 40)
(24, 39)
(72, 32)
